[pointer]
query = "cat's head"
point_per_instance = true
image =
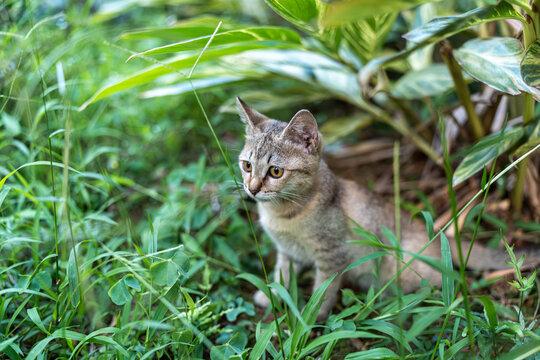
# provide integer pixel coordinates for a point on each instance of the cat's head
(280, 160)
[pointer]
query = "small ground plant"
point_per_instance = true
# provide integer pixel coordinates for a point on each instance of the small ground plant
(123, 233)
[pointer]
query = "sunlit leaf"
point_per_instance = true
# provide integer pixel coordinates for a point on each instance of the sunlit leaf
(343, 11)
(530, 65)
(495, 62)
(178, 64)
(271, 34)
(184, 30)
(484, 151)
(298, 12)
(367, 36)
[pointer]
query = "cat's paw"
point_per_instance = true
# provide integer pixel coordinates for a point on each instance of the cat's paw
(261, 299)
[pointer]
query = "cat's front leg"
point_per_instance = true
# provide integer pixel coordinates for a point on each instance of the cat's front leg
(323, 273)
(282, 269)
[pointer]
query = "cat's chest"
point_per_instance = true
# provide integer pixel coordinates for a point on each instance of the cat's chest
(299, 236)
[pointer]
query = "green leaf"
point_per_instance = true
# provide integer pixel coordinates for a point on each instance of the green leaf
(73, 278)
(298, 12)
(164, 273)
(363, 259)
(335, 129)
(334, 336)
(495, 62)
(188, 86)
(367, 36)
(522, 351)
(263, 340)
(489, 311)
(119, 293)
(530, 65)
(36, 319)
(131, 282)
(439, 29)
(175, 65)
(314, 69)
(447, 282)
(378, 353)
(344, 11)
(184, 30)
(430, 81)
(486, 150)
(254, 34)
(444, 27)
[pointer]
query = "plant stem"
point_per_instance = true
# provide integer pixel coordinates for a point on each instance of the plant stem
(462, 90)
(530, 35)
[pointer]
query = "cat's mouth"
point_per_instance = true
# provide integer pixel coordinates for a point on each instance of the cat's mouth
(260, 196)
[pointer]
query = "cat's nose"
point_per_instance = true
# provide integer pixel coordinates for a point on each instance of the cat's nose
(254, 191)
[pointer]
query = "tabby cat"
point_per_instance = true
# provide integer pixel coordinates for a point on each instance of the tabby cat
(307, 211)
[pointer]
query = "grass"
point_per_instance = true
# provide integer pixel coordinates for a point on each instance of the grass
(122, 234)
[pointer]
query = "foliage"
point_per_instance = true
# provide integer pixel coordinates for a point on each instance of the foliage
(122, 233)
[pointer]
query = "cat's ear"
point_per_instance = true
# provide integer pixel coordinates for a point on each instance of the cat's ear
(249, 116)
(302, 130)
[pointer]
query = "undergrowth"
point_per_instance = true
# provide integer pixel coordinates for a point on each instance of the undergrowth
(123, 234)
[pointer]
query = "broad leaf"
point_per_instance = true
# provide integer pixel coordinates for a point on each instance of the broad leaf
(164, 273)
(440, 29)
(187, 86)
(522, 351)
(495, 62)
(298, 12)
(177, 64)
(486, 150)
(254, 34)
(184, 30)
(430, 81)
(343, 11)
(376, 353)
(119, 293)
(309, 67)
(337, 128)
(530, 65)
(450, 25)
(367, 36)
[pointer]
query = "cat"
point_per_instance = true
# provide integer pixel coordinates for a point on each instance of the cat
(306, 210)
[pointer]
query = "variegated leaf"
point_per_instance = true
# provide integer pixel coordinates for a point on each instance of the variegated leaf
(530, 65)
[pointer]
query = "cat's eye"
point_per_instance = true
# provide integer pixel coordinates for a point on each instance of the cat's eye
(276, 172)
(246, 165)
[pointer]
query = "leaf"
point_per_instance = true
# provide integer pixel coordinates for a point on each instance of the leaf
(444, 27)
(164, 273)
(378, 353)
(119, 293)
(298, 12)
(131, 282)
(363, 259)
(176, 64)
(489, 311)
(335, 129)
(522, 351)
(36, 319)
(263, 340)
(286, 297)
(334, 336)
(367, 36)
(430, 81)
(188, 86)
(73, 278)
(184, 30)
(486, 150)
(344, 11)
(309, 67)
(254, 34)
(495, 62)
(439, 29)
(447, 282)
(530, 65)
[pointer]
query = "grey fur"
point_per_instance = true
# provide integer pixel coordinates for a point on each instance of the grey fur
(306, 212)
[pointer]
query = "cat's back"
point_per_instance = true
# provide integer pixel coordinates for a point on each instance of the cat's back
(365, 208)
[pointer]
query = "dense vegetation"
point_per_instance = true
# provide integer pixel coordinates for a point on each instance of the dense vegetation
(122, 230)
